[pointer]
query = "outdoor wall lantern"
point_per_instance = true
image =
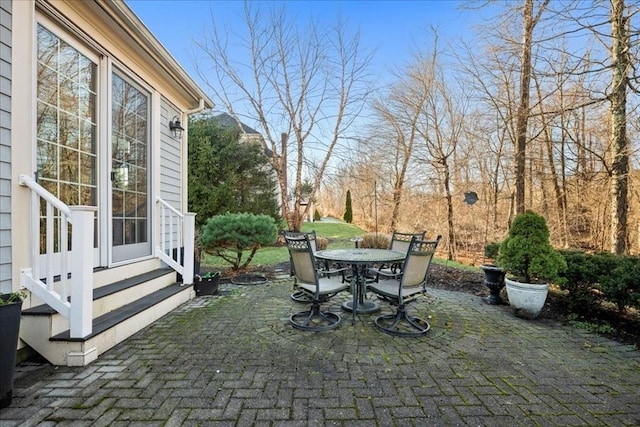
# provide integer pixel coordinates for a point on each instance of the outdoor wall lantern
(176, 127)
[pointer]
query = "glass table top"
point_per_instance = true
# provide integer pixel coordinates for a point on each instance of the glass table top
(360, 255)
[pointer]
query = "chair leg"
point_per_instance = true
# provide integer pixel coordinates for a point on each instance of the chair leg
(315, 319)
(402, 324)
(301, 297)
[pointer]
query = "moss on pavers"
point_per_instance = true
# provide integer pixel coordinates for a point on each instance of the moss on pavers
(234, 359)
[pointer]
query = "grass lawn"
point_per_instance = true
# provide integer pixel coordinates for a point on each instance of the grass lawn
(338, 233)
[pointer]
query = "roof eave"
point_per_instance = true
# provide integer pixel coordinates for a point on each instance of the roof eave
(135, 28)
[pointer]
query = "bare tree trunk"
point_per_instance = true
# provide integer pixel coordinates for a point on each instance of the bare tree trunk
(280, 165)
(404, 143)
(523, 108)
(290, 78)
(446, 182)
(560, 197)
(522, 116)
(620, 164)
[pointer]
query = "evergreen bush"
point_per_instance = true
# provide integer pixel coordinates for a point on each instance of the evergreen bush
(491, 250)
(526, 253)
(581, 280)
(227, 236)
(348, 210)
(623, 286)
(227, 175)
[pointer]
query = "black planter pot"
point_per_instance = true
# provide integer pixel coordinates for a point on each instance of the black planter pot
(10, 321)
(494, 280)
(196, 263)
(206, 285)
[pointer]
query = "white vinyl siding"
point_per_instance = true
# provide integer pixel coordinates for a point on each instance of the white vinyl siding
(5, 146)
(170, 159)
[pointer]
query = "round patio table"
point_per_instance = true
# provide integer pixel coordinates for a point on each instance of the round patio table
(359, 259)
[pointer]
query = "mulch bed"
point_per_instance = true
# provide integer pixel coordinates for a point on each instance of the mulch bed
(621, 328)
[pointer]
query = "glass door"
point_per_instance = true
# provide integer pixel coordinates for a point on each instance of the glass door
(129, 171)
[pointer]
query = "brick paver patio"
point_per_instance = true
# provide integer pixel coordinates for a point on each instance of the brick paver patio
(233, 360)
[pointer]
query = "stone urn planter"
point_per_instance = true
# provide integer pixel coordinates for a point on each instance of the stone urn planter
(527, 299)
(531, 264)
(494, 280)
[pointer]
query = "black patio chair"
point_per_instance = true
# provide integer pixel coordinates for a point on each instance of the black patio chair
(318, 289)
(399, 242)
(410, 285)
(324, 268)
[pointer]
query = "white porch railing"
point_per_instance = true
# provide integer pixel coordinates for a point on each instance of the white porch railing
(61, 268)
(177, 230)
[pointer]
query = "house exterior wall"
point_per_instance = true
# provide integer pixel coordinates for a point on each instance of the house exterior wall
(170, 159)
(171, 163)
(5, 145)
(112, 32)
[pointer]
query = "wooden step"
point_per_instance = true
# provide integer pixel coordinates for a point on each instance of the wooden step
(104, 291)
(146, 298)
(107, 321)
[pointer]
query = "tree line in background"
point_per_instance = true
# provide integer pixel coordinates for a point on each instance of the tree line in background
(538, 112)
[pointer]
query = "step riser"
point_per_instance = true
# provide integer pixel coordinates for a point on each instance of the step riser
(104, 277)
(111, 302)
(114, 274)
(104, 305)
(124, 330)
(34, 331)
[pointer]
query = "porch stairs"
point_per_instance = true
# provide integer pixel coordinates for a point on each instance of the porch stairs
(120, 309)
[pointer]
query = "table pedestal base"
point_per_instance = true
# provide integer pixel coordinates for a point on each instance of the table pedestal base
(364, 307)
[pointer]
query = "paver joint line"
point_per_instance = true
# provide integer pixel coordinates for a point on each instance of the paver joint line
(233, 359)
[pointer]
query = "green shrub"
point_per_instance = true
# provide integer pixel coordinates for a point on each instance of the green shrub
(316, 215)
(592, 278)
(375, 241)
(226, 175)
(581, 280)
(622, 287)
(526, 253)
(491, 250)
(227, 236)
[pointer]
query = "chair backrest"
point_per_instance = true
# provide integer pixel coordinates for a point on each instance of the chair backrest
(303, 261)
(416, 265)
(400, 241)
(312, 240)
(311, 234)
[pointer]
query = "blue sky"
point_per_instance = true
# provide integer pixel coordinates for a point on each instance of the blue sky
(390, 28)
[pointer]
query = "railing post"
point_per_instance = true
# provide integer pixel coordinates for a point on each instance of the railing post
(189, 235)
(81, 317)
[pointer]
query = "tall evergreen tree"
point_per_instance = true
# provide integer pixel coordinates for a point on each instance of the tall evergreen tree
(227, 176)
(348, 212)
